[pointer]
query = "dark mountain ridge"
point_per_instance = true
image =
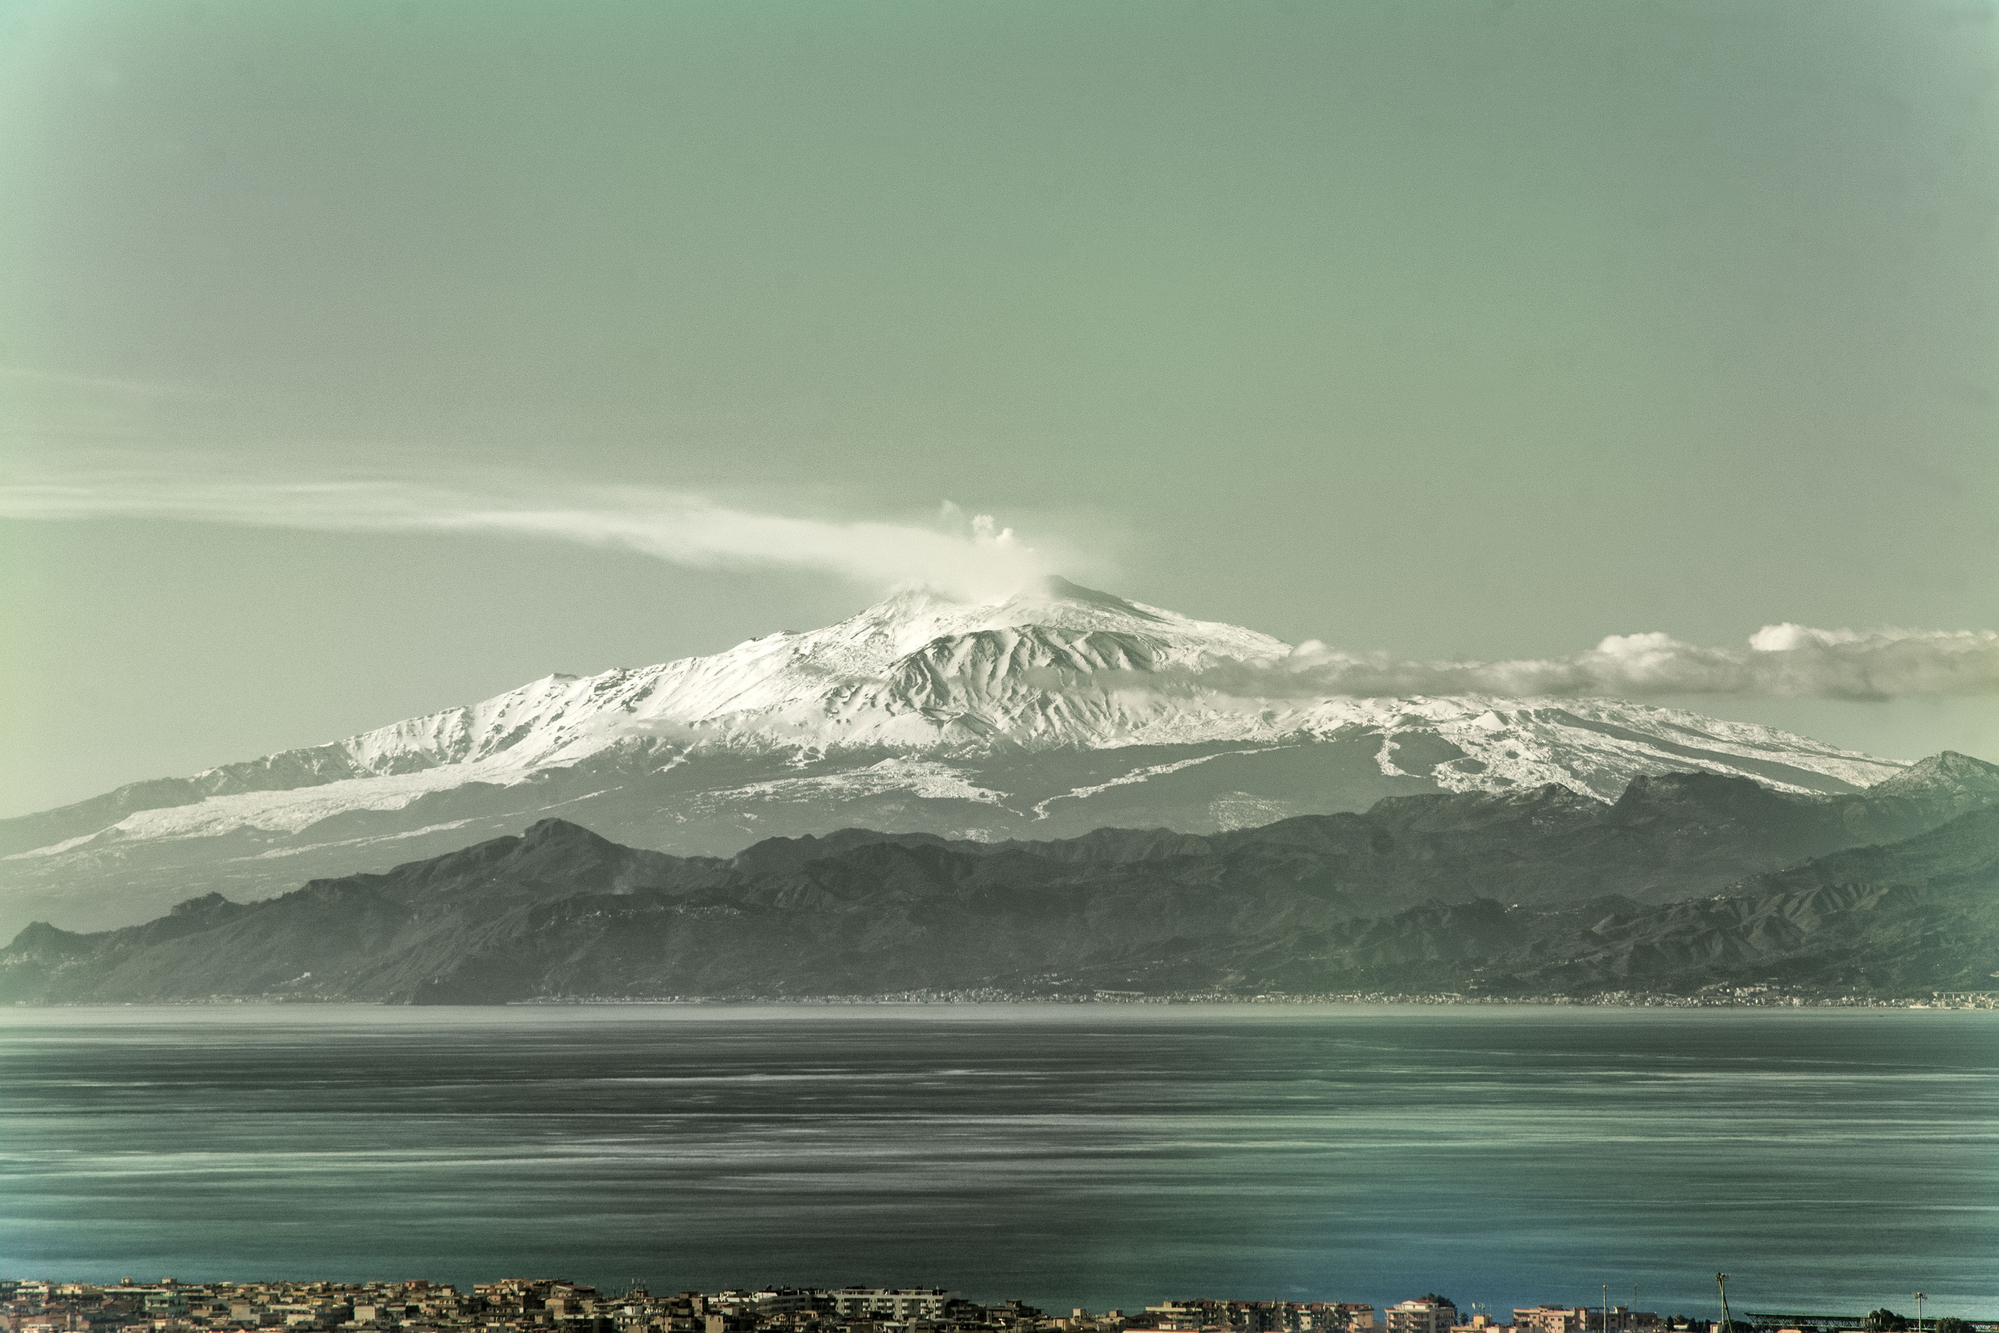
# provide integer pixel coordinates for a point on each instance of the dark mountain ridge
(1687, 881)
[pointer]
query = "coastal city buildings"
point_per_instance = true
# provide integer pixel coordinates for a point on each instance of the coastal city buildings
(518, 1305)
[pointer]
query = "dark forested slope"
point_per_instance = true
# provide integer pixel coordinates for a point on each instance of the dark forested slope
(1687, 881)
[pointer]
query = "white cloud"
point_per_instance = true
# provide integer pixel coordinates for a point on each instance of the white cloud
(974, 556)
(1785, 660)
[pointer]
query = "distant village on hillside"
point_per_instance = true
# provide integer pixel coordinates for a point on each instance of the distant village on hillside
(517, 1305)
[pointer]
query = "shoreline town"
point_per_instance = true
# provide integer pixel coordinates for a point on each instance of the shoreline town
(516, 1305)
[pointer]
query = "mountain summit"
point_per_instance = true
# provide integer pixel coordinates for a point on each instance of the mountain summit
(1047, 712)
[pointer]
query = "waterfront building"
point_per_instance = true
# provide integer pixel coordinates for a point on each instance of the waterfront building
(1549, 1319)
(1427, 1315)
(899, 1304)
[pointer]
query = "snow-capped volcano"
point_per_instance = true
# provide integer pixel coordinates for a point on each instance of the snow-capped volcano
(1047, 712)
(916, 672)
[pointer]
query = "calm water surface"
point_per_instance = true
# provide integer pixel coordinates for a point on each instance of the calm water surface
(1094, 1156)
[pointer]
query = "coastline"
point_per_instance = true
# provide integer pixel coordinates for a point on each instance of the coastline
(1947, 1002)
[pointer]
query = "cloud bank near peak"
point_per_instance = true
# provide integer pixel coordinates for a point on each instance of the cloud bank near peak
(1778, 661)
(971, 555)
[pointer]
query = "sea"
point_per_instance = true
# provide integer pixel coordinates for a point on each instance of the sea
(1830, 1160)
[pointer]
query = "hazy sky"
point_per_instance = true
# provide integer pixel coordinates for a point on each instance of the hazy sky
(1456, 330)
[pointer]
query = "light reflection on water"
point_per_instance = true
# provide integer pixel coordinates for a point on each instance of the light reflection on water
(1100, 1157)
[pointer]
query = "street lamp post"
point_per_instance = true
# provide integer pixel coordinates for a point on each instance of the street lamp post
(1920, 1298)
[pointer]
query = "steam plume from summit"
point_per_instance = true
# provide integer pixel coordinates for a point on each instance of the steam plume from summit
(972, 557)
(967, 556)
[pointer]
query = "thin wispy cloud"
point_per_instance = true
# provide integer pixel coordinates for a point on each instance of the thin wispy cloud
(32, 378)
(969, 554)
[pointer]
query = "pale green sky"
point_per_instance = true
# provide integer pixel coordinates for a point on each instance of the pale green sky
(1450, 329)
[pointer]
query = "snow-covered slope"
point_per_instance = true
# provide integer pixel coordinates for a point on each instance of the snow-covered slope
(917, 672)
(1044, 713)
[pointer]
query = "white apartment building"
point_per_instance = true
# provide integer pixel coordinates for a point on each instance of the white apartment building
(1422, 1317)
